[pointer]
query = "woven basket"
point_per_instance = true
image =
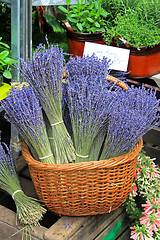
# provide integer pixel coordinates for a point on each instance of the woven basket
(86, 188)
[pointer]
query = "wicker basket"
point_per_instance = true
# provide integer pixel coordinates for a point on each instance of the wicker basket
(86, 188)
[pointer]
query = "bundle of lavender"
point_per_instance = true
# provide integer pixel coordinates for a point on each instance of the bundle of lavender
(90, 100)
(23, 110)
(45, 74)
(107, 121)
(136, 112)
(29, 210)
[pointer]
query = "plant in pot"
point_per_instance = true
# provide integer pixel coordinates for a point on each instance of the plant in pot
(5, 67)
(138, 29)
(85, 21)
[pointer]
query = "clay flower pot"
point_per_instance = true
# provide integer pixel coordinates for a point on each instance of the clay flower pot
(144, 62)
(76, 40)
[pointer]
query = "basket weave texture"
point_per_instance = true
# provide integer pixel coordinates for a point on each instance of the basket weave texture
(87, 188)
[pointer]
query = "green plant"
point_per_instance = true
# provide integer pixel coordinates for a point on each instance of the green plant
(136, 29)
(138, 22)
(5, 61)
(86, 16)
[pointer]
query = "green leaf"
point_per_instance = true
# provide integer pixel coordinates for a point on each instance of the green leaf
(72, 20)
(96, 4)
(7, 74)
(90, 20)
(83, 13)
(4, 54)
(51, 20)
(2, 62)
(102, 29)
(4, 44)
(68, 2)
(10, 61)
(104, 13)
(97, 24)
(79, 26)
(74, 15)
(63, 9)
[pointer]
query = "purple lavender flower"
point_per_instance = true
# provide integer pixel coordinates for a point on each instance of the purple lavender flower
(29, 211)
(7, 167)
(136, 113)
(45, 74)
(90, 101)
(102, 111)
(22, 109)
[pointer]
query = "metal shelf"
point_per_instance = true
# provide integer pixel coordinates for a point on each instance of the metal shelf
(46, 2)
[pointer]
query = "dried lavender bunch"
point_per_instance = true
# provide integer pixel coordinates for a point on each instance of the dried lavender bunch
(135, 114)
(29, 210)
(22, 109)
(45, 73)
(90, 101)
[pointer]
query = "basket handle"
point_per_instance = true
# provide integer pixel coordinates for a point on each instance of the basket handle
(109, 78)
(117, 82)
(65, 25)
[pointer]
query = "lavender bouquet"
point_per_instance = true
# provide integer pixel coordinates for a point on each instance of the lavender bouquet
(45, 74)
(23, 110)
(90, 101)
(135, 113)
(29, 210)
(107, 121)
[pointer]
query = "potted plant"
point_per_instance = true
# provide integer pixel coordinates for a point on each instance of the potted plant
(136, 27)
(127, 25)
(85, 21)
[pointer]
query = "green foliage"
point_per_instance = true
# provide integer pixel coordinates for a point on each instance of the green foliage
(138, 22)
(5, 60)
(138, 32)
(54, 21)
(5, 22)
(85, 16)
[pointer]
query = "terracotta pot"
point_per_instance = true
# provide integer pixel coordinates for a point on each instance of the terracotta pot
(76, 41)
(144, 62)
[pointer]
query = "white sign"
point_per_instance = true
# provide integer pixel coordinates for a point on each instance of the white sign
(119, 56)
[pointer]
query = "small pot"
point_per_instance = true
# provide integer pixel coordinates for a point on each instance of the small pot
(76, 41)
(144, 62)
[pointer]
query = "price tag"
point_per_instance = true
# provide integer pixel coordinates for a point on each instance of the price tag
(119, 56)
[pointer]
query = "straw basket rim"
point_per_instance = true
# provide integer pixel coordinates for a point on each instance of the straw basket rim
(107, 163)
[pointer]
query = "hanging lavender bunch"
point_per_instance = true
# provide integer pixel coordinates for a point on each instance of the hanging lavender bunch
(45, 74)
(22, 109)
(89, 98)
(29, 210)
(135, 114)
